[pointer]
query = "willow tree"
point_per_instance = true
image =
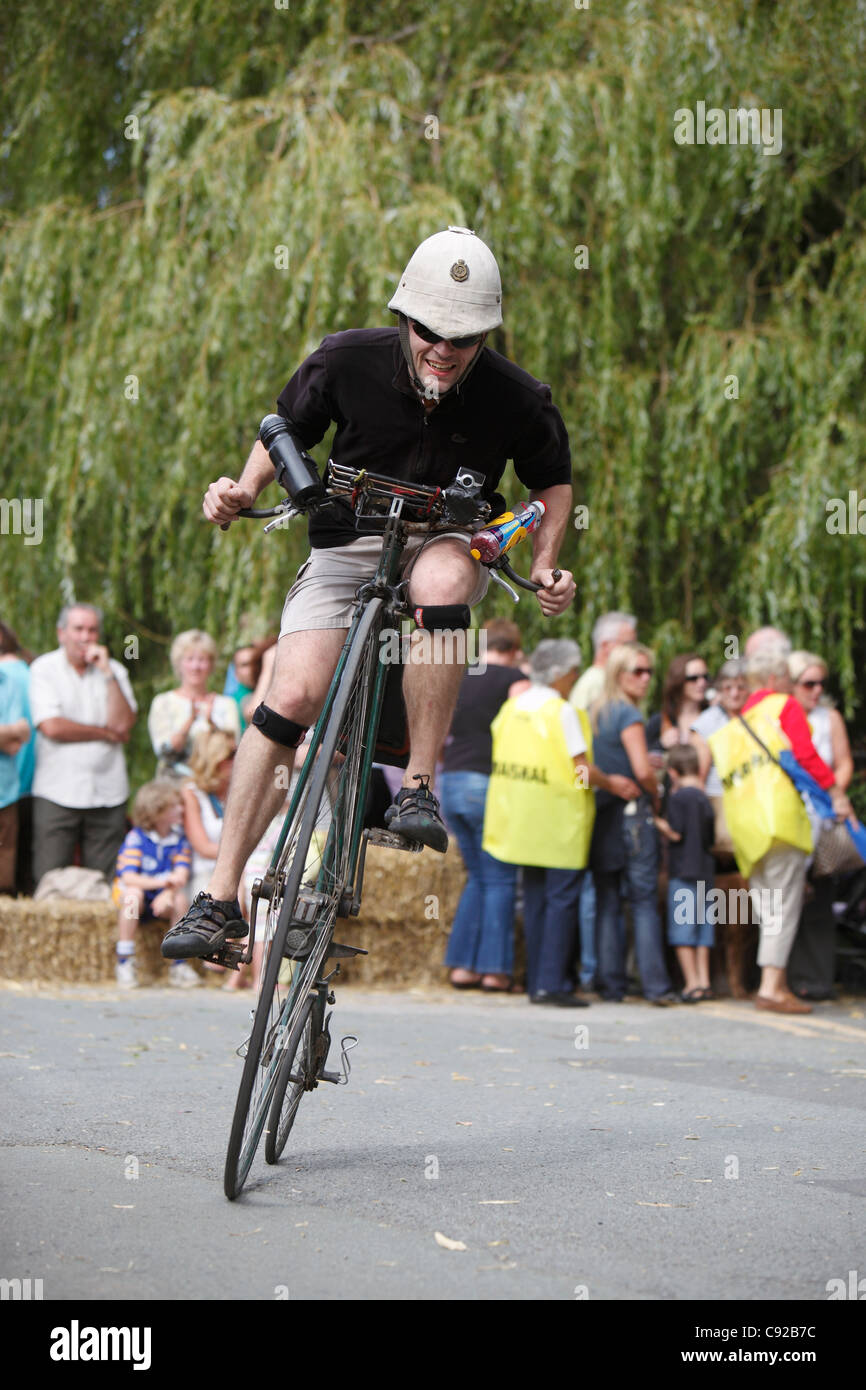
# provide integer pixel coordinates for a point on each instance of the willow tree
(194, 194)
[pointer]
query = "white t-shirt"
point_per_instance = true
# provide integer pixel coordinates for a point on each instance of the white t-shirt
(707, 722)
(170, 712)
(538, 695)
(588, 689)
(78, 775)
(822, 734)
(212, 824)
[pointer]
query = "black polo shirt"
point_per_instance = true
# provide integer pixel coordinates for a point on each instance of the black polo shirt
(360, 380)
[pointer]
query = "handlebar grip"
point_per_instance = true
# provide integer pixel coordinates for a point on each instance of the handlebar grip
(524, 583)
(256, 513)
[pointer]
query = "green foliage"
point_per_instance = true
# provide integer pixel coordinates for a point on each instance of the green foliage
(146, 326)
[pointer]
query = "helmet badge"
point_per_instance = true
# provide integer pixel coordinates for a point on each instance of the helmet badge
(459, 271)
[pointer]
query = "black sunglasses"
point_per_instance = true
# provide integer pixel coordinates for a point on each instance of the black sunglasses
(641, 671)
(810, 685)
(701, 676)
(431, 336)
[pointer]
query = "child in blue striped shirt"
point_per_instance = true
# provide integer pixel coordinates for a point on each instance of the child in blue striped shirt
(153, 867)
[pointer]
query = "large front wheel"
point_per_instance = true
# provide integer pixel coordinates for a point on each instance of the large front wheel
(314, 864)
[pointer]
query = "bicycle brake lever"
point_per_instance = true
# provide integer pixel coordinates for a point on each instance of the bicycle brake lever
(497, 579)
(288, 515)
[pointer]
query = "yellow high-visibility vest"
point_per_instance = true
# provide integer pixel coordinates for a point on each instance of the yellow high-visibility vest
(762, 806)
(537, 811)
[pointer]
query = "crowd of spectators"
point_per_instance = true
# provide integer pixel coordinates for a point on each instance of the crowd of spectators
(64, 789)
(563, 793)
(571, 808)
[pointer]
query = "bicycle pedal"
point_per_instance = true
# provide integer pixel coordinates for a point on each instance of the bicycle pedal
(389, 839)
(337, 952)
(231, 956)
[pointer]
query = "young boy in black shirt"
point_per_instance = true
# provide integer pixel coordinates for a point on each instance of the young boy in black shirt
(690, 828)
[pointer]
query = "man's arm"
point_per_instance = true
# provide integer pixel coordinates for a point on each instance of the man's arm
(68, 731)
(554, 597)
(225, 498)
(13, 736)
(119, 713)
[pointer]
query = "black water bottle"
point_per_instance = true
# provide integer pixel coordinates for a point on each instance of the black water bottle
(294, 470)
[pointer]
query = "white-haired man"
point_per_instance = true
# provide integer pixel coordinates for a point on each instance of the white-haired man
(83, 709)
(767, 637)
(609, 631)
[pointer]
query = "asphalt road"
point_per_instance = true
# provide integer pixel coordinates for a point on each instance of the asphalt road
(708, 1152)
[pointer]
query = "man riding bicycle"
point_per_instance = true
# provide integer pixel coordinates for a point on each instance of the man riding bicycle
(416, 403)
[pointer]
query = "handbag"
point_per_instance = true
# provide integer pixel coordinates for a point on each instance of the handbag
(723, 845)
(835, 851)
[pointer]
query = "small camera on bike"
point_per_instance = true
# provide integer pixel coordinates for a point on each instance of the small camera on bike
(468, 481)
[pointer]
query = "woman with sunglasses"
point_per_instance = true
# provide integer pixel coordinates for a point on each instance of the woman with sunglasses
(812, 962)
(624, 856)
(732, 689)
(769, 827)
(684, 697)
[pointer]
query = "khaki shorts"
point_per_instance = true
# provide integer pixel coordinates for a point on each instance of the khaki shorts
(323, 595)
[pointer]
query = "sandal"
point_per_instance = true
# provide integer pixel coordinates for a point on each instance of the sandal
(474, 983)
(692, 996)
(495, 989)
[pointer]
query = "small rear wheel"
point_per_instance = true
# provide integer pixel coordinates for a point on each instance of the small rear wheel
(297, 1074)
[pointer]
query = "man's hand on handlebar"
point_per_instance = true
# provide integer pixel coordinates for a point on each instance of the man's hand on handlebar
(555, 595)
(224, 499)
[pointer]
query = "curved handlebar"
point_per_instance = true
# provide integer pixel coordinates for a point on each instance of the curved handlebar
(256, 514)
(523, 583)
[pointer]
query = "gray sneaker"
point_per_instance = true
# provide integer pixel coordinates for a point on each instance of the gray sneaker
(415, 815)
(126, 974)
(182, 976)
(204, 928)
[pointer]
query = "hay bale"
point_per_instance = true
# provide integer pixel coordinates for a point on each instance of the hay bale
(408, 907)
(61, 941)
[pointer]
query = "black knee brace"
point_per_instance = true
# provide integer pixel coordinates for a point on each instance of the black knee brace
(443, 616)
(277, 728)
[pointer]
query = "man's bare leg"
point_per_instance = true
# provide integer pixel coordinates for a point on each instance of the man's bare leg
(430, 693)
(304, 665)
(443, 573)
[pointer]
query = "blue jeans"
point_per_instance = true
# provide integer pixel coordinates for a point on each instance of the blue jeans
(586, 916)
(686, 925)
(638, 882)
(482, 936)
(550, 900)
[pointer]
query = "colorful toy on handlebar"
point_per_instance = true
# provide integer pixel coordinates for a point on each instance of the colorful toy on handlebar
(505, 531)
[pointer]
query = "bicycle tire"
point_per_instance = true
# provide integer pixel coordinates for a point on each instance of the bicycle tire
(347, 809)
(298, 1069)
(276, 1015)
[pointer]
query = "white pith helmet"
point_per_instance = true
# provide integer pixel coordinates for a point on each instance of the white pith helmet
(452, 285)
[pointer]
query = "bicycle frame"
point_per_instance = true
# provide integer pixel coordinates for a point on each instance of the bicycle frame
(381, 590)
(304, 896)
